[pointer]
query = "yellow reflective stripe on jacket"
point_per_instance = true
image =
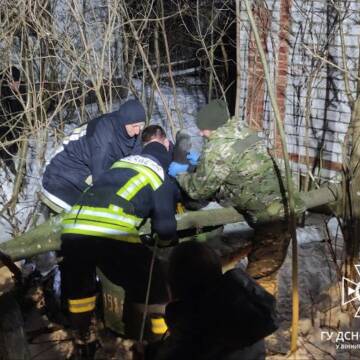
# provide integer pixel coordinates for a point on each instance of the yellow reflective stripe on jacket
(111, 209)
(95, 225)
(158, 326)
(153, 178)
(114, 215)
(100, 231)
(111, 222)
(82, 305)
(133, 186)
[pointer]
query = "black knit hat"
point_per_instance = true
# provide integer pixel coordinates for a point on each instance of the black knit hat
(132, 112)
(159, 152)
(213, 115)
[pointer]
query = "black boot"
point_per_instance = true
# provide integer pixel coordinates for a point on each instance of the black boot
(85, 351)
(85, 345)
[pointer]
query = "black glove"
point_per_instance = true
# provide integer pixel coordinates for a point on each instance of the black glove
(151, 240)
(147, 240)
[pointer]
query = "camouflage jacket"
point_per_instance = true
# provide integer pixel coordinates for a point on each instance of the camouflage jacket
(250, 180)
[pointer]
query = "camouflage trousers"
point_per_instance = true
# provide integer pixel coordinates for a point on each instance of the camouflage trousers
(269, 250)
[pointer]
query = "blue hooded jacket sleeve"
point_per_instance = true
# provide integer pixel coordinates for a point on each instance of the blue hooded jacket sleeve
(99, 138)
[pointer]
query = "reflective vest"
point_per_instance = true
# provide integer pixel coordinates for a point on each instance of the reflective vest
(111, 220)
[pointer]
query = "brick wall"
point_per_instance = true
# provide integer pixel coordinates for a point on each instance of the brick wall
(298, 34)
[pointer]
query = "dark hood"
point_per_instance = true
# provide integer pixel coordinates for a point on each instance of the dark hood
(130, 112)
(159, 153)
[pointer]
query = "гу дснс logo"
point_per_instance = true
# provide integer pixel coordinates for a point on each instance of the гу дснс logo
(351, 291)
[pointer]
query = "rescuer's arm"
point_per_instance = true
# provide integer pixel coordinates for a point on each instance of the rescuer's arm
(100, 150)
(163, 221)
(211, 171)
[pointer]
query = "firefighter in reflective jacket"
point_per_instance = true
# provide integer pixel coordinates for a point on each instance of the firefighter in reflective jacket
(101, 230)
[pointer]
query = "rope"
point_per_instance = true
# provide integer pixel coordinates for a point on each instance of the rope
(148, 290)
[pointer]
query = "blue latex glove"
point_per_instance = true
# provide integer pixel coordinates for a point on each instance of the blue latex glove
(176, 168)
(193, 157)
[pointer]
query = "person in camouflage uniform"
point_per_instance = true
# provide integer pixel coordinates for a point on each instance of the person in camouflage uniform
(236, 169)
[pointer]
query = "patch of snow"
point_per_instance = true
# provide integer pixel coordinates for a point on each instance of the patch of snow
(310, 234)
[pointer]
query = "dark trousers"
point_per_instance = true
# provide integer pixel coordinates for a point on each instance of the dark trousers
(124, 264)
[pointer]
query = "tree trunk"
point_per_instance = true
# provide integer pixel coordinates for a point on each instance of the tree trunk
(46, 237)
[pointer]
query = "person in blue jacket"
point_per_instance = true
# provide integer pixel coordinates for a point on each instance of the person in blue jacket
(89, 151)
(102, 230)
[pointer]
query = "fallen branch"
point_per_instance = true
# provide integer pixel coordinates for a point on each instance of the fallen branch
(46, 237)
